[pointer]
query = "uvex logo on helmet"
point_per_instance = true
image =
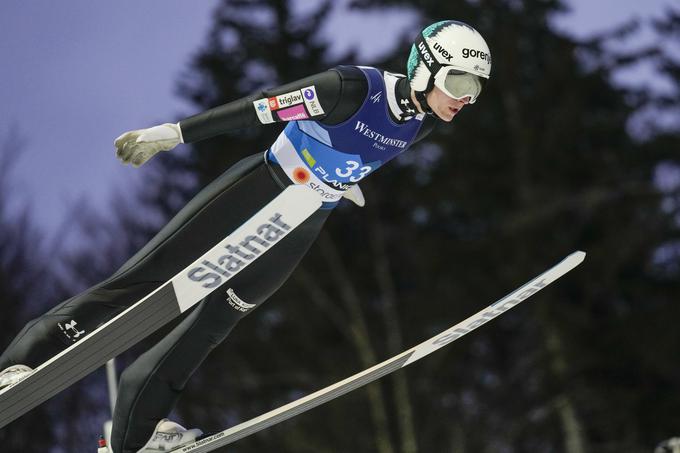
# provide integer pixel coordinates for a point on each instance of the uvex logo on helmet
(467, 53)
(425, 54)
(438, 47)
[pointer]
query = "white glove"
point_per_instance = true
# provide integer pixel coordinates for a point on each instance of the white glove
(136, 147)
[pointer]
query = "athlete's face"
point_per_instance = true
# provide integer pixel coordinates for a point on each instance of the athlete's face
(443, 106)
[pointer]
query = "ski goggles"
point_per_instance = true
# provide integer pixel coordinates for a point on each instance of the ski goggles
(459, 84)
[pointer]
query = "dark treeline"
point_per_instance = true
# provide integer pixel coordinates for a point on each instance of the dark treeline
(19, 272)
(543, 164)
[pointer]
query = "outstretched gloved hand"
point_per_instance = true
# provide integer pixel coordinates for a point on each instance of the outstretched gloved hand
(136, 147)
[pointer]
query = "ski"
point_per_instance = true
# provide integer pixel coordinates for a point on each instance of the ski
(208, 273)
(331, 392)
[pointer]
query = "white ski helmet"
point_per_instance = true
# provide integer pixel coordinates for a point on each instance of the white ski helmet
(452, 56)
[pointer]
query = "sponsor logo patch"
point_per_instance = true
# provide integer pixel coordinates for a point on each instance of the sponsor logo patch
(312, 101)
(443, 52)
(293, 113)
(330, 180)
(472, 53)
(236, 302)
(263, 111)
(210, 272)
(71, 331)
(427, 57)
(325, 194)
(379, 138)
(301, 175)
(308, 158)
(376, 97)
(286, 100)
(201, 442)
(408, 106)
(493, 311)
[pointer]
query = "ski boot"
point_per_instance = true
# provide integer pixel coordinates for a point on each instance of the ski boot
(11, 375)
(669, 446)
(167, 437)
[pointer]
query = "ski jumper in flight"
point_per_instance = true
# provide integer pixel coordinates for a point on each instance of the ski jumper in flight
(342, 125)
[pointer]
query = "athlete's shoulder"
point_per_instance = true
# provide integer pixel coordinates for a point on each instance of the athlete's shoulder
(356, 77)
(353, 91)
(350, 72)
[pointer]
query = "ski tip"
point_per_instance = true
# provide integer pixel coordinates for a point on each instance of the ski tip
(576, 258)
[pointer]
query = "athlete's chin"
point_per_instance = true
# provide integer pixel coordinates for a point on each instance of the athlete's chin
(447, 116)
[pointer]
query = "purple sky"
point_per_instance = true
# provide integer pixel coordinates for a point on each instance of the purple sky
(76, 74)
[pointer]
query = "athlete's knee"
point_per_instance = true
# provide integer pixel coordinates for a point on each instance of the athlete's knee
(139, 377)
(129, 379)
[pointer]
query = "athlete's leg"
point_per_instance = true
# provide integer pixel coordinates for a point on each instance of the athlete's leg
(150, 387)
(199, 225)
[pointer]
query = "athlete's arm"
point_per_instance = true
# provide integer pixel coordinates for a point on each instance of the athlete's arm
(330, 97)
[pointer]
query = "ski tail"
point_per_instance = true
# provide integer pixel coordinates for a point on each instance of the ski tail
(331, 392)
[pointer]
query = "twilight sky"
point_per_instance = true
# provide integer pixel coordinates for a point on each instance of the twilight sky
(76, 74)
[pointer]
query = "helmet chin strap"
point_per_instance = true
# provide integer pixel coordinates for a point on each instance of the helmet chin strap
(432, 66)
(422, 100)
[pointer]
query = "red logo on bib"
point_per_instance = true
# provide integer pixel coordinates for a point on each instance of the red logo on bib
(300, 175)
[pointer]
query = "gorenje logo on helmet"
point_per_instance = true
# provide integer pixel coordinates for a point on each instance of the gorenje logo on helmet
(467, 53)
(439, 48)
